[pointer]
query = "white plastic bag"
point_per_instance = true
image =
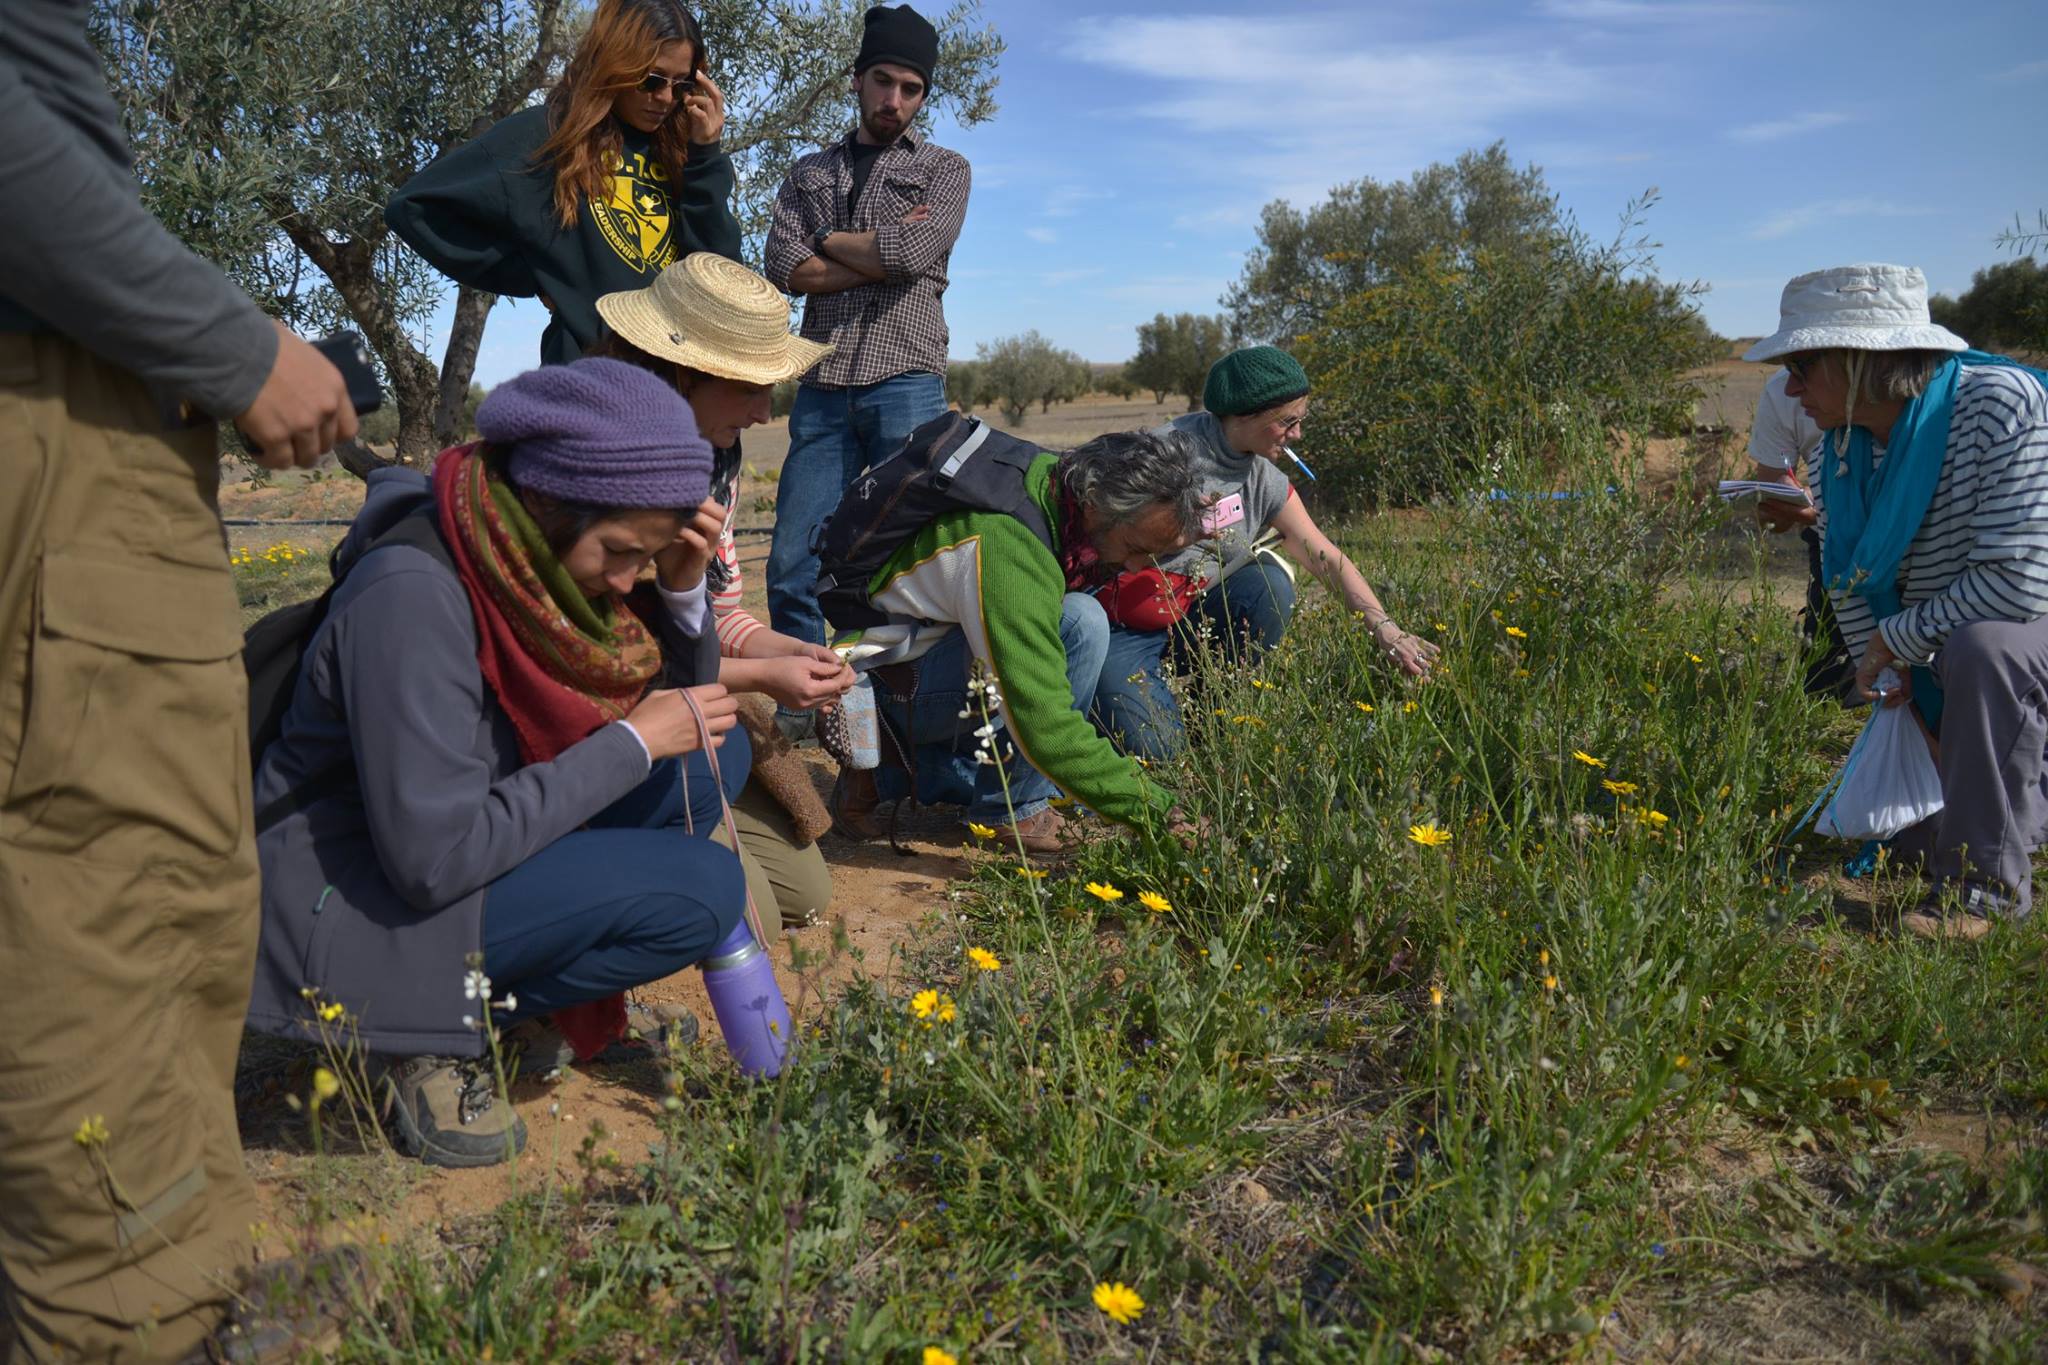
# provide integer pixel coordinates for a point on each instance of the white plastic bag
(1889, 782)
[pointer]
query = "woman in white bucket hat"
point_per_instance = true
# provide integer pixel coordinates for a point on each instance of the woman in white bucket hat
(720, 334)
(1931, 489)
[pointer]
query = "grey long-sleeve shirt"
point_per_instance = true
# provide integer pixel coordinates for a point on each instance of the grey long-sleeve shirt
(79, 254)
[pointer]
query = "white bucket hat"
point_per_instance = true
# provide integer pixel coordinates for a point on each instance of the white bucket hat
(1856, 308)
(714, 315)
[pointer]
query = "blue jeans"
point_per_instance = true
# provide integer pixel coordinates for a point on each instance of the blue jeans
(1247, 612)
(834, 436)
(629, 898)
(946, 771)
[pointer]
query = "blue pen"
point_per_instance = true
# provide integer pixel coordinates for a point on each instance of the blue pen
(1303, 463)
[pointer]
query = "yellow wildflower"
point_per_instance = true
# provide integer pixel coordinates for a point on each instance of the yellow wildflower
(1428, 835)
(1103, 891)
(1618, 788)
(1543, 957)
(1261, 683)
(981, 831)
(1681, 1061)
(1550, 983)
(1154, 902)
(924, 1003)
(934, 1356)
(92, 1132)
(1436, 997)
(1517, 633)
(325, 1085)
(1655, 819)
(947, 1011)
(1037, 872)
(984, 959)
(1364, 706)
(1409, 708)
(1120, 1301)
(331, 1011)
(1588, 759)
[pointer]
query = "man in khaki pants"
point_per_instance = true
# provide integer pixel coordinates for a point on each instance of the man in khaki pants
(128, 907)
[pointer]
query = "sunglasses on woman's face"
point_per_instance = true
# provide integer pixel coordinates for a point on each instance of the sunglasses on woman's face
(653, 83)
(1801, 366)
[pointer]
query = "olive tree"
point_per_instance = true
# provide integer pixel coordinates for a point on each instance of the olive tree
(268, 135)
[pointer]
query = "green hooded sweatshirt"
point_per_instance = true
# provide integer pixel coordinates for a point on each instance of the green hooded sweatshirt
(484, 215)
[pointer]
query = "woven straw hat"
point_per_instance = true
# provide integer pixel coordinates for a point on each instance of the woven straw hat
(714, 315)
(1856, 308)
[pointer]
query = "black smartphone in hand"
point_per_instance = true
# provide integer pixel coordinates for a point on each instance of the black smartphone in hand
(351, 355)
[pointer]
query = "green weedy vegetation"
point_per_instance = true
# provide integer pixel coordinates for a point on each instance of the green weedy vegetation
(1594, 1075)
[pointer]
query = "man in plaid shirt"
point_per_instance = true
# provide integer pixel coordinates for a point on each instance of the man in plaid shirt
(862, 229)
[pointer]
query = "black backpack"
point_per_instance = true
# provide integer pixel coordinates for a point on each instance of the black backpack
(274, 648)
(951, 463)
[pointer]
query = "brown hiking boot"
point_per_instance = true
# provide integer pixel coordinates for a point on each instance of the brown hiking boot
(1960, 912)
(853, 803)
(1042, 835)
(445, 1111)
(289, 1310)
(540, 1052)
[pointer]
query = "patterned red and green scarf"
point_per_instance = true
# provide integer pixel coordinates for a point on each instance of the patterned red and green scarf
(560, 664)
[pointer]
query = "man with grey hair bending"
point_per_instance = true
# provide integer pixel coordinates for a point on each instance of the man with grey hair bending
(993, 647)
(1932, 493)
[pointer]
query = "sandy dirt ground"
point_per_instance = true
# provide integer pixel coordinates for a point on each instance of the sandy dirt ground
(881, 896)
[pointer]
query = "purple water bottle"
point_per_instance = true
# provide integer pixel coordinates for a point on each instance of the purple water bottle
(748, 1002)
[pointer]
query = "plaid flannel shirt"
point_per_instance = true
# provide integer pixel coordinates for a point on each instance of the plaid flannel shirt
(896, 325)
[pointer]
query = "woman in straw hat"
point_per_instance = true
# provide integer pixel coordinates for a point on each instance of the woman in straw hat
(1931, 494)
(618, 174)
(719, 333)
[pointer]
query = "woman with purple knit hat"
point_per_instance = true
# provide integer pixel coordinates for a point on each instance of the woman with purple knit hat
(503, 760)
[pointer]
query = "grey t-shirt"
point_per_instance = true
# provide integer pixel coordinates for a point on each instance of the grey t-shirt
(1245, 494)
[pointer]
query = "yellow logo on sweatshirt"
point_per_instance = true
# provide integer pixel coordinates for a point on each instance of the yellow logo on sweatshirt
(634, 217)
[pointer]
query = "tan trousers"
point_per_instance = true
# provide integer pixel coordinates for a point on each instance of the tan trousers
(128, 900)
(788, 883)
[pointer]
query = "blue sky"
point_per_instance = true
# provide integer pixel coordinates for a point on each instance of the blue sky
(1136, 143)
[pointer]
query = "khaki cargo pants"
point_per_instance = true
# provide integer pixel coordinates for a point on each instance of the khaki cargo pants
(128, 900)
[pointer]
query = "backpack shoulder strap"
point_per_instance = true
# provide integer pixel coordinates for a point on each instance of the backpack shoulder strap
(420, 529)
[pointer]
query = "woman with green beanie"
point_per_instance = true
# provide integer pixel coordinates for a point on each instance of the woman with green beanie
(1232, 583)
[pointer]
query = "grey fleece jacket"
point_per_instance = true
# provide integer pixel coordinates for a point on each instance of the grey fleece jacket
(78, 252)
(373, 895)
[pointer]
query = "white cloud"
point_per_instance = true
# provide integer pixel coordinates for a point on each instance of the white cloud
(1044, 236)
(1064, 201)
(1829, 211)
(1774, 129)
(1227, 217)
(2025, 71)
(1340, 105)
(1643, 11)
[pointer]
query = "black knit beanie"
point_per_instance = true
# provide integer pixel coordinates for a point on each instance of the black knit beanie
(900, 36)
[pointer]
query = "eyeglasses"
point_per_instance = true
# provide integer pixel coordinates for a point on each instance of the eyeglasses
(1288, 426)
(653, 83)
(1798, 365)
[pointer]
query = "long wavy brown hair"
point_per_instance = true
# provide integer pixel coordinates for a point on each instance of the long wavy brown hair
(584, 143)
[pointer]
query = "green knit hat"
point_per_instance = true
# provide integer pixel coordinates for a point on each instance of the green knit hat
(1252, 380)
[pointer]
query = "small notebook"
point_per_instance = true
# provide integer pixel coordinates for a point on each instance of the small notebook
(1733, 489)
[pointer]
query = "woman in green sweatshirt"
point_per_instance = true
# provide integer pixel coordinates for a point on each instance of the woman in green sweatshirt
(616, 176)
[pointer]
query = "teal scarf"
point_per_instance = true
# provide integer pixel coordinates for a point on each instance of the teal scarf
(1873, 514)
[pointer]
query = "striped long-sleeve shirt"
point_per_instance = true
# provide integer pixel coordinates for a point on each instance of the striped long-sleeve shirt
(1982, 552)
(736, 625)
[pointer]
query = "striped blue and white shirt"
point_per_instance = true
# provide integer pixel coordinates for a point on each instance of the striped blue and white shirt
(1982, 552)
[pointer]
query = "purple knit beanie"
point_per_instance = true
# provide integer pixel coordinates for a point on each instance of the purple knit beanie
(600, 432)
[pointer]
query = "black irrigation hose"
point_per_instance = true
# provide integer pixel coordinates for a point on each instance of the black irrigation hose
(350, 521)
